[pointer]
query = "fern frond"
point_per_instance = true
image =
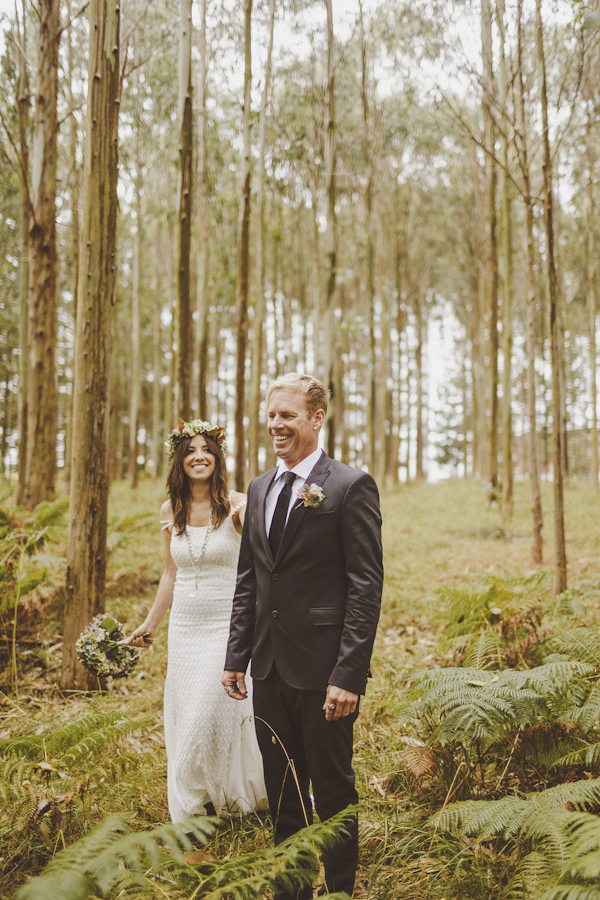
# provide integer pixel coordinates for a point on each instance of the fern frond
(580, 644)
(48, 515)
(590, 755)
(566, 891)
(99, 739)
(482, 705)
(111, 859)
(485, 650)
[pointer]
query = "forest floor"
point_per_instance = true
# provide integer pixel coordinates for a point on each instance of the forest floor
(436, 536)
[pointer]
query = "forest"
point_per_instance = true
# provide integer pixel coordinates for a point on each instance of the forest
(403, 199)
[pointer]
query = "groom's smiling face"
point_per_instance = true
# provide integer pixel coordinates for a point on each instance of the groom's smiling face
(294, 432)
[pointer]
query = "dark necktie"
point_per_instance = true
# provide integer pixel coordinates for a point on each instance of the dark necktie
(280, 514)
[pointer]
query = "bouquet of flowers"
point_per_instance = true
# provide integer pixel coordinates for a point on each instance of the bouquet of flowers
(101, 648)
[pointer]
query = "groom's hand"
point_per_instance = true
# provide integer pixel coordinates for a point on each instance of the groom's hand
(339, 703)
(235, 684)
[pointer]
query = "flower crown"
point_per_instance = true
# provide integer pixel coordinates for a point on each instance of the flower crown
(190, 429)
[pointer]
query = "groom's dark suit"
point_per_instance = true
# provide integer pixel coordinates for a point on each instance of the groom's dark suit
(307, 618)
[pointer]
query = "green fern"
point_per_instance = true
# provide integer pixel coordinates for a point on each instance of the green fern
(590, 755)
(85, 735)
(581, 644)
(52, 515)
(481, 706)
(111, 859)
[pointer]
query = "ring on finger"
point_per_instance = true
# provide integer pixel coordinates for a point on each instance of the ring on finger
(331, 706)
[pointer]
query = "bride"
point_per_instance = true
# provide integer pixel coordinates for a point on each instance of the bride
(213, 760)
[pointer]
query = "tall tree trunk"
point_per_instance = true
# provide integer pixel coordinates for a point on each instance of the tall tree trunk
(86, 549)
(507, 288)
(23, 101)
(370, 255)
(534, 477)
(419, 328)
(491, 228)
(42, 395)
(74, 240)
(203, 224)
(591, 299)
(186, 134)
(315, 175)
(261, 304)
(560, 555)
(134, 394)
(331, 234)
(243, 266)
(157, 372)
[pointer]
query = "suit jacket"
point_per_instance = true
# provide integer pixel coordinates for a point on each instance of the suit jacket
(313, 609)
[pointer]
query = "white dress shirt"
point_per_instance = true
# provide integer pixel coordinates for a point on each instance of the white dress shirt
(301, 471)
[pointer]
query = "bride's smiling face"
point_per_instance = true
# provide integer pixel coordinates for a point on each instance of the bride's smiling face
(199, 462)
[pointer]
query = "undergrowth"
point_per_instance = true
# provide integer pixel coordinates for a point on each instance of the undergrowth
(476, 749)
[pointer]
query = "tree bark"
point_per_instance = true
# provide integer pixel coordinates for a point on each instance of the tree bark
(42, 395)
(74, 241)
(506, 277)
(23, 101)
(204, 226)
(157, 372)
(419, 328)
(186, 129)
(591, 299)
(534, 477)
(331, 234)
(261, 302)
(134, 394)
(373, 419)
(86, 549)
(492, 252)
(243, 263)
(560, 555)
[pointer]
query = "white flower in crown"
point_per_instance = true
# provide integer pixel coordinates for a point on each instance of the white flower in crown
(310, 495)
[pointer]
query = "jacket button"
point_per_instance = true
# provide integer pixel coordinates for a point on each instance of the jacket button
(275, 613)
(274, 576)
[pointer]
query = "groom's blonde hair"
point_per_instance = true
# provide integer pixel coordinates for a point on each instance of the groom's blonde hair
(315, 392)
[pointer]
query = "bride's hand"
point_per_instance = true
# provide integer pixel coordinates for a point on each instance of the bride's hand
(142, 637)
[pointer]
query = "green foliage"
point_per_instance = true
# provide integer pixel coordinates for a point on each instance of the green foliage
(499, 624)
(478, 707)
(21, 537)
(56, 751)
(112, 859)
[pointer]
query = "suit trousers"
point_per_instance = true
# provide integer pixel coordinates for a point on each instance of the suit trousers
(322, 754)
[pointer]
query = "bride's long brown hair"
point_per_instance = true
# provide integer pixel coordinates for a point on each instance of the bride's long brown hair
(178, 485)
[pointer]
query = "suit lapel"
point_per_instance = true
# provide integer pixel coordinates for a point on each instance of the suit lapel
(318, 476)
(262, 499)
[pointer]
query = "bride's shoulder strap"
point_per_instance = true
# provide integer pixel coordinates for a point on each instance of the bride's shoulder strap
(236, 508)
(165, 523)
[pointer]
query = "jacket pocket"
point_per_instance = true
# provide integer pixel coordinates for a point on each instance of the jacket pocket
(327, 615)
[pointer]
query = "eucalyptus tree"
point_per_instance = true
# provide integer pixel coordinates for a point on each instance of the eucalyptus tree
(41, 383)
(243, 259)
(260, 306)
(531, 299)
(86, 548)
(184, 196)
(24, 105)
(560, 556)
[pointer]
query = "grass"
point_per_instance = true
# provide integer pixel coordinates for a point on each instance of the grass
(435, 536)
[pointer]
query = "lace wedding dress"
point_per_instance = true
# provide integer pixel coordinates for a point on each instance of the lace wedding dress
(212, 752)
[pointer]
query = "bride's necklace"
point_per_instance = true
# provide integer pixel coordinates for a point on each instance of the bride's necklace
(197, 560)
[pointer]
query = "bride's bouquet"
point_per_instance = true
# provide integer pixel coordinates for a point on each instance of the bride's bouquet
(101, 648)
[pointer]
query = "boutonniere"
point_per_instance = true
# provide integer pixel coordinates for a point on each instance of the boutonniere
(310, 495)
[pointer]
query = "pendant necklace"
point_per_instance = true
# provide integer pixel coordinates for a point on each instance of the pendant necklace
(197, 561)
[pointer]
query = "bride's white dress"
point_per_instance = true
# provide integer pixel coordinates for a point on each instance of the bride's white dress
(212, 752)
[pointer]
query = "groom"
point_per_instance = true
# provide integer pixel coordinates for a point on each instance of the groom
(305, 611)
